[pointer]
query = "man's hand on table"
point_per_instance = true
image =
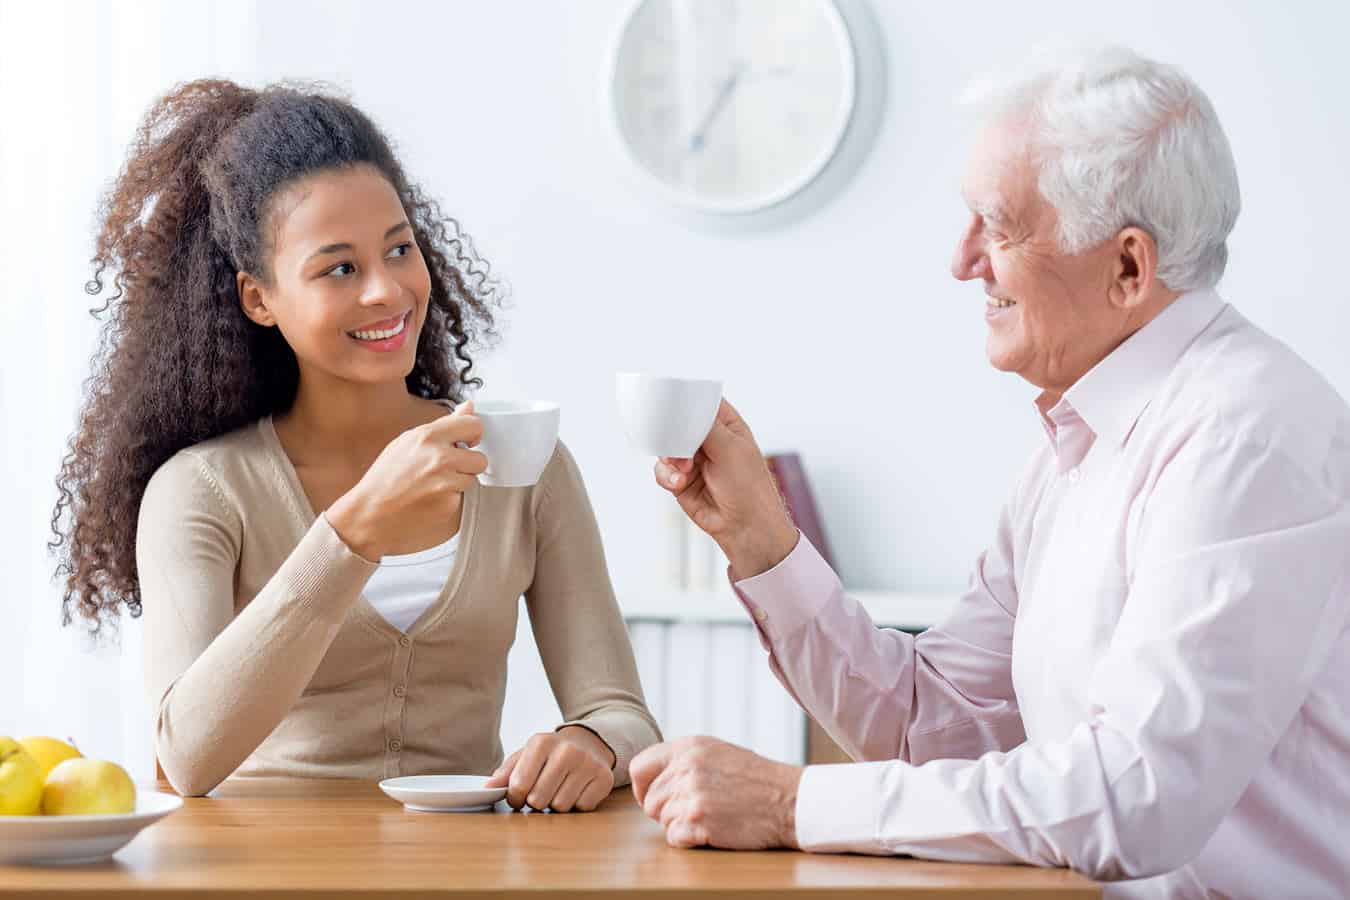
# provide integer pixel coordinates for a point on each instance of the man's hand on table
(706, 792)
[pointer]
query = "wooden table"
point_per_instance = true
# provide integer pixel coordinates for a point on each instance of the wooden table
(346, 839)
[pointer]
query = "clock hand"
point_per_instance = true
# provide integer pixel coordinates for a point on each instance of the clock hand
(724, 93)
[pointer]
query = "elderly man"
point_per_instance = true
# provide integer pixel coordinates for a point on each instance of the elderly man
(1149, 676)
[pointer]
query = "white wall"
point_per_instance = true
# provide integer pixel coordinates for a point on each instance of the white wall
(843, 336)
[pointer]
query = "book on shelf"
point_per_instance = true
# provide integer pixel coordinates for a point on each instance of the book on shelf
(788, 471)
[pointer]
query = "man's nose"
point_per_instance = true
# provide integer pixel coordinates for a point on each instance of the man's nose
(970, 260)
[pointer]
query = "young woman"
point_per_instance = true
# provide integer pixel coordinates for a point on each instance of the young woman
(268, 466)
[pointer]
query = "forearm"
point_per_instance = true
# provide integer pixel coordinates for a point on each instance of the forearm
(1093, 802)
(214, 714)
(880, 693)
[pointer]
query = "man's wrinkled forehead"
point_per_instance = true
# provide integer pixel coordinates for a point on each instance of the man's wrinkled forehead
(999, 179)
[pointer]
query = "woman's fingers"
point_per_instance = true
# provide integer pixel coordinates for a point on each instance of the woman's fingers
(526, 773)
(502, 777)
(595, 793)
(550, 780)
(461, 426)
(565, 799)
(469, 462)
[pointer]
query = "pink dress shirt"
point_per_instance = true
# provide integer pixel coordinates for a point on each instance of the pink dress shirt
(1149, 676)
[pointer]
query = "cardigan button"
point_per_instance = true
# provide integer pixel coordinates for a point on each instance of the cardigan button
(400, 691)
(405, 641)
(395, 745)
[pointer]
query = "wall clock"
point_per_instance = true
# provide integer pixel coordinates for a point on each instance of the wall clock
(731, 108)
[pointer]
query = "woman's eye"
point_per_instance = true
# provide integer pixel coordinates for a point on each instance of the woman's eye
(400, 250)
(341, 269)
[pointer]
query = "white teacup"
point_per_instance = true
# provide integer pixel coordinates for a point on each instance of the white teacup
(666, 416)
(518, 440)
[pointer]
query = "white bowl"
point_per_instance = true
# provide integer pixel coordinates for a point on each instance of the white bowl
(79, 839)
(666, 416)
(443, 793)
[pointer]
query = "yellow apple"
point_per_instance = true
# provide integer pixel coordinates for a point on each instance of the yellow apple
(88, 787)
(20, 780)
(48, 752)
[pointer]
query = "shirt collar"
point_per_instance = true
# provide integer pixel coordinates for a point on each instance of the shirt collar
(1112, 396)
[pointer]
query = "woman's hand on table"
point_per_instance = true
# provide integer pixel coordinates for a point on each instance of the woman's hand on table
(567, 770)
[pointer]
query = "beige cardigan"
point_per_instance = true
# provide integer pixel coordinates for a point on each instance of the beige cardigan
(264, 658)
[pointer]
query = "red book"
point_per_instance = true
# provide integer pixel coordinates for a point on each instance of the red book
(791, 477)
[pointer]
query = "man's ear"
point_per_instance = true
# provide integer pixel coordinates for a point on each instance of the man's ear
(253, 301)
(1135, 269)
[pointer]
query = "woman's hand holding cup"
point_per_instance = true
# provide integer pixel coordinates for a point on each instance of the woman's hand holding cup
(409, 495)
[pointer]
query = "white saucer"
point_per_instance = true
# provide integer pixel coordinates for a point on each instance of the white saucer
(79, 839)
(443, 793)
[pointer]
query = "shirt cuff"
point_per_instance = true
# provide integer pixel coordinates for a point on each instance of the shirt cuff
(334, 536)
(791, 594)
(613, 729)
(839, 807)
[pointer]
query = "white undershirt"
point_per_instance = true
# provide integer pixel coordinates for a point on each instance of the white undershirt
(404, 586)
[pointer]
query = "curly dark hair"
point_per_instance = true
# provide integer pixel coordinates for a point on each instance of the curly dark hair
(178, 362)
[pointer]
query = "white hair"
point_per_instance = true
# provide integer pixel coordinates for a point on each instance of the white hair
(1122, 140)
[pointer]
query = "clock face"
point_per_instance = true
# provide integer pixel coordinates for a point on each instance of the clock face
(733, 105)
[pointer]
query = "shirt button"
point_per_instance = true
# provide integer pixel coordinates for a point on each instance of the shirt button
(761, 615)
(404, 641)
(395, 745)
(400, 691)
(1073, 475)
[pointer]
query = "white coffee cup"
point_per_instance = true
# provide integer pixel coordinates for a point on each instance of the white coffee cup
(518, 440)
(665, 416)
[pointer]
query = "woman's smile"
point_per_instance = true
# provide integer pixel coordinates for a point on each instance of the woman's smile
(384, 336)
